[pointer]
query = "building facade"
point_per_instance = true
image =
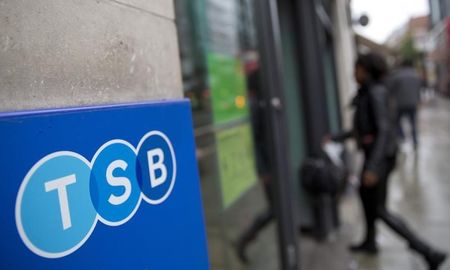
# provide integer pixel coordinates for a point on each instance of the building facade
(439, 44)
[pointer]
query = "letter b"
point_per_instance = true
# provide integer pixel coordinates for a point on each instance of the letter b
(153, 167)
(156, 167)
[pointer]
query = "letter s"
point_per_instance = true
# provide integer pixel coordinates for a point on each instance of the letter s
(118, 181)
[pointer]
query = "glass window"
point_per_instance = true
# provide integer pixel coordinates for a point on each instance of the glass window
(220, 63)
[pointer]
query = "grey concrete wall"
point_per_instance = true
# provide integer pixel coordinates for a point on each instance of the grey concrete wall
(57, 53)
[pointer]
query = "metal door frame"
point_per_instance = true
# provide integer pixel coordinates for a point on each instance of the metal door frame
(269, 36)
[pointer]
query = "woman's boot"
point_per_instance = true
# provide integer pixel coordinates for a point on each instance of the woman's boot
(433, 257)
(369, 245)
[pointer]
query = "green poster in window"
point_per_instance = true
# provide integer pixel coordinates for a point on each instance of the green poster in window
(236, 160)
(227, 84)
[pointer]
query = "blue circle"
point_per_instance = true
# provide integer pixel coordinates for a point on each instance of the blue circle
(154, 157)
(46, 226)
(115, 191)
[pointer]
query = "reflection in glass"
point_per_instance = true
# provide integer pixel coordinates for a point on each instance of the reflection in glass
(218, 51)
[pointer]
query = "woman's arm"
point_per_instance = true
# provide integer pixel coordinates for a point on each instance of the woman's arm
(379, 105)
(342, 136)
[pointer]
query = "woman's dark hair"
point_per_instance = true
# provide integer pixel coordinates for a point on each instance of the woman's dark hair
(374, 64)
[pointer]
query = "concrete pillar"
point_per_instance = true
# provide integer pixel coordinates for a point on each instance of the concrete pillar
(345, 52)
(82, 52)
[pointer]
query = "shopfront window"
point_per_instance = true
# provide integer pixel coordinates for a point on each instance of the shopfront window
(219, 59)
(331, 90)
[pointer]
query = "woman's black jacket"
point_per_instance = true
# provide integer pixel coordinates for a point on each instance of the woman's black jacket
(373, 125)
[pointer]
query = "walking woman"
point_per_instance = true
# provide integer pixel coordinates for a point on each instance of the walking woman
(375, 135)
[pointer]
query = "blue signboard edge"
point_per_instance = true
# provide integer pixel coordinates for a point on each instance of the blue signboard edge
(93, 107)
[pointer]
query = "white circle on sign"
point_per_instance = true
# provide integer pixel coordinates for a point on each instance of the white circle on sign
(144, 189)
(30, 199)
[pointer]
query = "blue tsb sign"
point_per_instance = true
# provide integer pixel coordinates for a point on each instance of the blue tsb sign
(101, 188)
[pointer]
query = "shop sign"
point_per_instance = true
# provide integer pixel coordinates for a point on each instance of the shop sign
(111, 187)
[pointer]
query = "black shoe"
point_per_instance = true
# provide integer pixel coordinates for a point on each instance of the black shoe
(366, 247)
(435, 259)
(239, 247)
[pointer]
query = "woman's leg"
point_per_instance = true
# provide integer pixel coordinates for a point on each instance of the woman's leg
(259, 223)
(397, 224)
(400, 132)
(369, 202)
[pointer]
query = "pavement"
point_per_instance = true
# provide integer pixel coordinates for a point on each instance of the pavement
(419, 192)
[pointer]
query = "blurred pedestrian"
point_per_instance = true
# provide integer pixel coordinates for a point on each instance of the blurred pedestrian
(259, 126)
(405, 85)
(375, 135)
